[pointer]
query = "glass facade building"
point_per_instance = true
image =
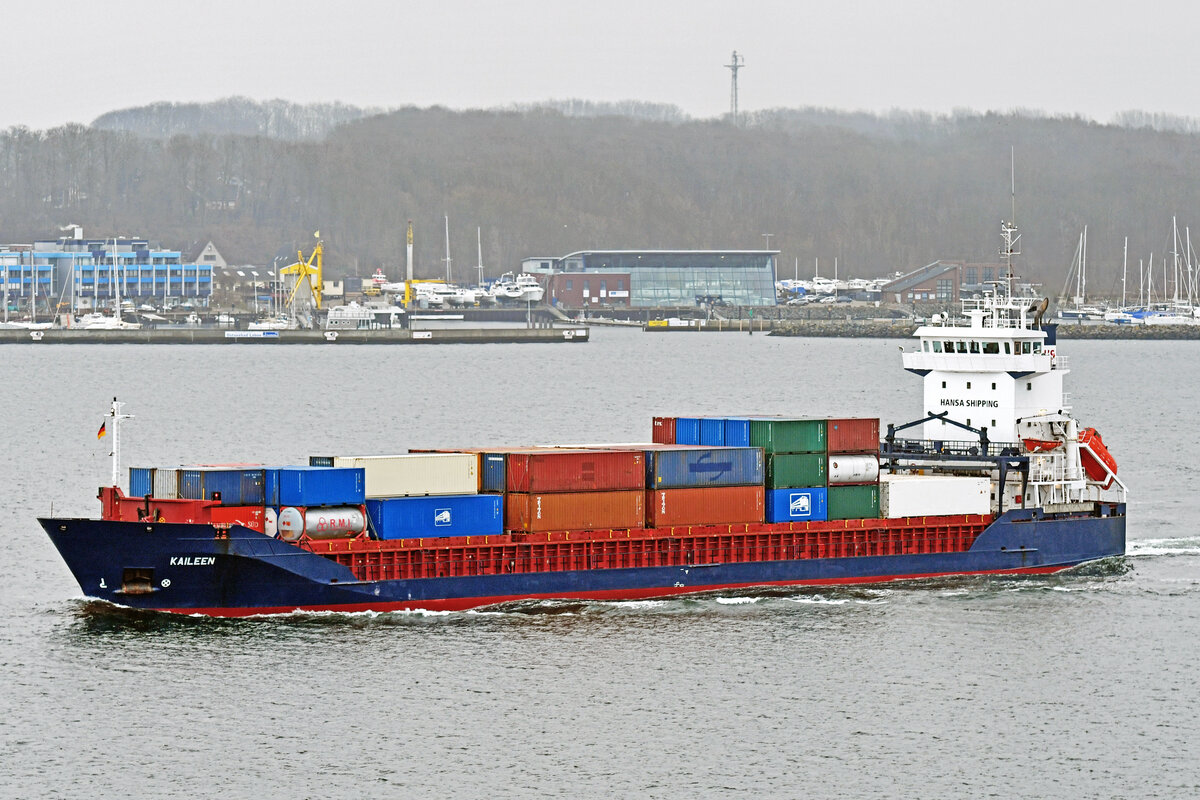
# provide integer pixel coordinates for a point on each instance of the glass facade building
(677, 278)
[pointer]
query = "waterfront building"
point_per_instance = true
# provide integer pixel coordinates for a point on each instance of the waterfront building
(673, 278)
(89, 273)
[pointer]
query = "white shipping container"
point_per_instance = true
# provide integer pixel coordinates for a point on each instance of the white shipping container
(933, 495)
(166, 483)
(416, 474)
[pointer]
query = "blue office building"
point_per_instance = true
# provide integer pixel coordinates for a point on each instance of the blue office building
(89, 273)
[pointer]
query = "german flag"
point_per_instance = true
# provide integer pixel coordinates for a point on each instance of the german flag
(103, 430)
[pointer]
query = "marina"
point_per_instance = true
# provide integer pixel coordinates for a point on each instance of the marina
(199, 336)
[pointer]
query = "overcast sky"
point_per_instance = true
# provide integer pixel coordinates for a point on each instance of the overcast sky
(70, 61)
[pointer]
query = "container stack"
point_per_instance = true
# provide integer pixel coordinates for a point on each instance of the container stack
(555, 489)
(853, 468)
(797, 467)
(424, 495)
(703, 485)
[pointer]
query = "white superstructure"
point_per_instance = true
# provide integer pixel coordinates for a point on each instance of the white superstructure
(999, 373)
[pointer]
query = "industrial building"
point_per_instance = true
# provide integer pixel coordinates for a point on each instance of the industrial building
(663, 278)
(89, 273)
(941, 282)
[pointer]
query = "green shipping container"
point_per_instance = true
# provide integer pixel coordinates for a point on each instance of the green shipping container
(854, 502)
(788, 435)
(797, 470)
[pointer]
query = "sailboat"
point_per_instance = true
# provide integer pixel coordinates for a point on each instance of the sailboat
(1079, 309)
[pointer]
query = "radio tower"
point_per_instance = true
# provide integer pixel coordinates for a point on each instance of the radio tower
(735, 63)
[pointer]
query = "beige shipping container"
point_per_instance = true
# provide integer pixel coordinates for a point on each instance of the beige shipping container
(933, 495)
(417, 474)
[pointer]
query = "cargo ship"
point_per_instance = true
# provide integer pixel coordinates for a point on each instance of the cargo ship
(996, 477)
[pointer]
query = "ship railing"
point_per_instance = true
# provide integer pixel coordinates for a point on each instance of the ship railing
(1048, 468)
(1060, 362)
(943, 448)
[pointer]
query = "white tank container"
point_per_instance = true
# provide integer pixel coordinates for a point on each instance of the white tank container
(933, 495)
(417, 474)
(853, 469)
(339, 522)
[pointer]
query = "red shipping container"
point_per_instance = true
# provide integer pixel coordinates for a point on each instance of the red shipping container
(576, 470)
(664, 430)
(246, 516)
(574, 511)
(859, 435)
(708, 506)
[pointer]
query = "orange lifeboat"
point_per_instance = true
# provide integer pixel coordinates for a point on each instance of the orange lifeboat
(1040, 445)
(1092, 448)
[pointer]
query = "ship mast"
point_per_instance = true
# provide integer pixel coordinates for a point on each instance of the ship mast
(117, 416)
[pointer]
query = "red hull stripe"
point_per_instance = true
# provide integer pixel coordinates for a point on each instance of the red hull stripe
(465, 603)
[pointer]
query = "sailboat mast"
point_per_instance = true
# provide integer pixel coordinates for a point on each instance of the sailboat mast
(1124, 271)
(479, 250)
(447, 248)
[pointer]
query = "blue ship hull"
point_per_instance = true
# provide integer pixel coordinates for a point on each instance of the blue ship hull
(185, 568)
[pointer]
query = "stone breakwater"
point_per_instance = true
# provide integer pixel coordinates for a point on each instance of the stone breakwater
(868, 329)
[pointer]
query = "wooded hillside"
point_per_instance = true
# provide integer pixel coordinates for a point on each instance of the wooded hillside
(879, 193)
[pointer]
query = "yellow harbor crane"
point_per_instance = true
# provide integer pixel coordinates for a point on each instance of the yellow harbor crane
(304, 270)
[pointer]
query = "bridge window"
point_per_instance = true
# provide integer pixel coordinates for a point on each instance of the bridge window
(1037, 347)
(937, 347)
(974, 347)
(991, 348)
(962, 347)
(925, 346)
(949, 347)
(1025, 348)
(1007, 348)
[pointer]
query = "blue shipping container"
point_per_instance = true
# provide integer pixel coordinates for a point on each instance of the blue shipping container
(737, 432)
(141, 481)
(712, 431)
(796, 505)
(319, 486)
(446, 515)
(236, 487)
(493, 472)
(687, 430)
(717, 466)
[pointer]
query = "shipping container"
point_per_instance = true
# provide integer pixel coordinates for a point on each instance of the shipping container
(493, 472)
(664, 430)
(413, 474)
(141, 481)
(853, 468)
(715, 506)
(933, 495)
(796, 505)
(703, 466)
(233, 487)
(854, 435)
(712, 431)
(792, 470)
(315, 486)
(576, 470)
(574, 511)
(853, 502)
(445, 515)
(166, 483)
(737, 432)
(687, 430)
(778, 435)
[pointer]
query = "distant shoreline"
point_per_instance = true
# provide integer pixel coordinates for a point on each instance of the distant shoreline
(869, 329)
